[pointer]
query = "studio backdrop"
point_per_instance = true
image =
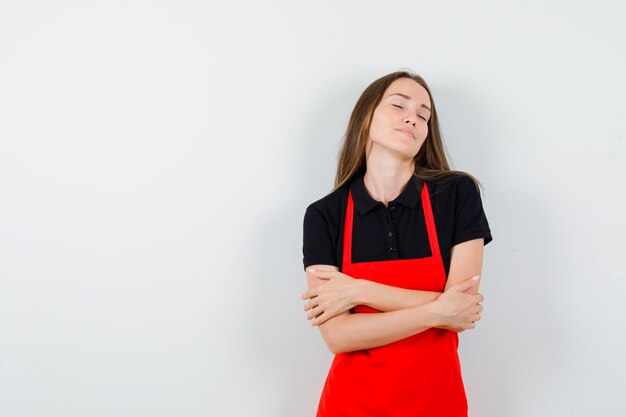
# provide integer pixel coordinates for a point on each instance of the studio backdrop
(157, 158)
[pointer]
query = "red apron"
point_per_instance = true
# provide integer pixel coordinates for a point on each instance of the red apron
(419, 375)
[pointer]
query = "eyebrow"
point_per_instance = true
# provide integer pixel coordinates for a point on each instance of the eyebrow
(408, 98)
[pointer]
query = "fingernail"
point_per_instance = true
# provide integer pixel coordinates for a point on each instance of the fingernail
(476, 277)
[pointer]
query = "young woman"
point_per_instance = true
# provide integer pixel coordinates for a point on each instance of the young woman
(392, 258)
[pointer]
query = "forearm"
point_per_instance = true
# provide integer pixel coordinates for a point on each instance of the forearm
(389, 298)
(368, 330)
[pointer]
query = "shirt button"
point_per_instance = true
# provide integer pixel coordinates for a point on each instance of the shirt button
(392, 208)
(390, 234)
(392, 248)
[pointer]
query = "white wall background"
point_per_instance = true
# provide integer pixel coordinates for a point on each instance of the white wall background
(156, 159)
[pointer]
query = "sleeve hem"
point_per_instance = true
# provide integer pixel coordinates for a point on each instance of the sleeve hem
(314, 261)
(473, 235)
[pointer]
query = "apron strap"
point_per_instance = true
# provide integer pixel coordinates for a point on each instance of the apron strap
(347, 232)
(428, 217)
(430, 222)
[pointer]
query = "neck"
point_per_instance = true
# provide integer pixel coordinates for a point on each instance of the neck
(386, 175)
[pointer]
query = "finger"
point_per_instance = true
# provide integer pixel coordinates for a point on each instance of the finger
(312, 318)
(319, 320)
(326, 273)
(309, 305)
(323, 274)
(314, 312)
(468, 283)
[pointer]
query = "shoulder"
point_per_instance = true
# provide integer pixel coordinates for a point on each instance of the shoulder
(322, 228)
(328, 207)
(451, 179)
(452, 186)
(458, 196)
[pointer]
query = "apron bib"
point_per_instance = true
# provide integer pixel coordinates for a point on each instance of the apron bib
(419, 375)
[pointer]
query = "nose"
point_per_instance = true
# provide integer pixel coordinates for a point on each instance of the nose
(410, 118)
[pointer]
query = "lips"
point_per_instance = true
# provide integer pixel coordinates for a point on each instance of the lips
(406, 132)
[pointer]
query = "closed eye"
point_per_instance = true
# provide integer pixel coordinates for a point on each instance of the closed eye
(423, 118)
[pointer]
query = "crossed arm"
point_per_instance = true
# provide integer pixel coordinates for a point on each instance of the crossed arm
(403, 312)
(389, 298)
(466, 261)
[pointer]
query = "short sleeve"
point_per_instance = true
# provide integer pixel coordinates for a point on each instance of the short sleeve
(317, 247)
(470, 219)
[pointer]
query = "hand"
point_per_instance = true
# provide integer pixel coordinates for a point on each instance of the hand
(339, 294)
(456, 310)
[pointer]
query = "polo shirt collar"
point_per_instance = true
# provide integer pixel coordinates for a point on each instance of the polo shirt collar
(364, 202)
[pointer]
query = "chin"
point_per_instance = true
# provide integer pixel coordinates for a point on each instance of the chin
(405, 148)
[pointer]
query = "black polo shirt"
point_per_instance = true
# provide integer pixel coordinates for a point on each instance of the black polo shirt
(397, 231)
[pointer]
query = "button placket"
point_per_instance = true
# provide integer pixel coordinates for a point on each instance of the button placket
(392, 244)
(392, 212)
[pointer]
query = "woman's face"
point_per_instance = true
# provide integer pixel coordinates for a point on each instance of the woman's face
(400, 121)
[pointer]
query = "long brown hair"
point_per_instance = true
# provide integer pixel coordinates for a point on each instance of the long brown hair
(430, 161)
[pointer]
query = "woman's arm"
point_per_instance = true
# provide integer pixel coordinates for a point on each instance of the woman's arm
(341, 292)
(389, 298)
(465, 261)
(346, 332)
